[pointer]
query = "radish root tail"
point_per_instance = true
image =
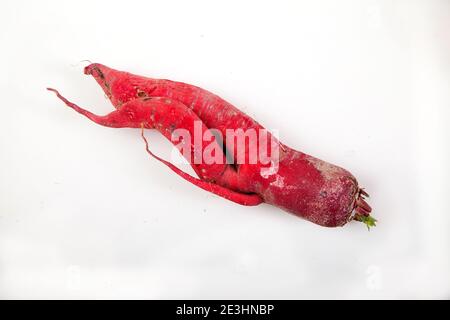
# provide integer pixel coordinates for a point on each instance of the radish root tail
(240, 198)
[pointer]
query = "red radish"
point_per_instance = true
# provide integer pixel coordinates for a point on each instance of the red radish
(303, 185)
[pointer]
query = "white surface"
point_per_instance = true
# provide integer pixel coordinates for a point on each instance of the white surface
(85, 213)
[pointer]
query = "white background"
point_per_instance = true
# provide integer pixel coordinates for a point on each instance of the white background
(85, 213)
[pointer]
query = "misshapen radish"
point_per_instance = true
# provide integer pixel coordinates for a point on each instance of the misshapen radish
(301, 184)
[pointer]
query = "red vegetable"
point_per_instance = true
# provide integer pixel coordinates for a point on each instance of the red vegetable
(301, 184)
